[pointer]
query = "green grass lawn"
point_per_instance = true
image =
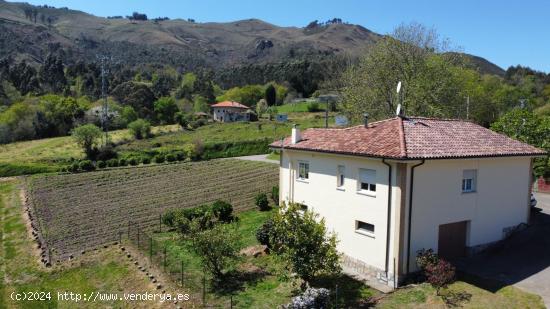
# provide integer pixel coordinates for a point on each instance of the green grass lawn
(21, 271)
(49, 155)
(299, 107)
(460, 294)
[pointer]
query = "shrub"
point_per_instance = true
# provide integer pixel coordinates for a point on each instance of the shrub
(86, 165)
(159, 158)
(140, 128)
(313, 107)
(262, 234)
(122, 162)
(302, 240)
(311, 298)
(218, 249)
(275, 194)
(74, 167)
(145, 160)
(262, 202)
(170, 157)
(169, 218)
(424, 258)
(440, 274)
(101, 164)
(106, 153)
(112, 163)
(133, 161)
(223, 211)
(180, 155)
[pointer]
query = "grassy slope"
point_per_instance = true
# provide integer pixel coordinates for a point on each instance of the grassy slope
(300, 107)
(50, 154)
(104, 271)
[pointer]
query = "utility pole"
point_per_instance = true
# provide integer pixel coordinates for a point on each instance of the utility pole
(105, 107)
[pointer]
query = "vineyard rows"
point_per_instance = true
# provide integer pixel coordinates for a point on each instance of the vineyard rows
(78, 212)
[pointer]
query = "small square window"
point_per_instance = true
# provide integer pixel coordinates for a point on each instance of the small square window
(303, 170)
(469, 181)
(364, 227)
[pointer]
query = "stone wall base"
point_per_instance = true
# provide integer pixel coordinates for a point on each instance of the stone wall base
(362, 271)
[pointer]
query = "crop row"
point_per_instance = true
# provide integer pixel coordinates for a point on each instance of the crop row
(77, 212)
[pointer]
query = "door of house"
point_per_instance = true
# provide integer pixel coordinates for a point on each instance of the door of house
(452, 240)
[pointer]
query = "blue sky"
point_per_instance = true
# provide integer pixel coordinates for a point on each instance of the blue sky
(505, 32)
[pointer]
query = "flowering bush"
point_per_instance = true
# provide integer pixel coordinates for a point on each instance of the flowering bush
(426, 257)
(311, 298)
(440, 274)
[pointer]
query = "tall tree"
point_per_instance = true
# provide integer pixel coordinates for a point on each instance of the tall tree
(270, 95)
(52, 74)
(413, 55)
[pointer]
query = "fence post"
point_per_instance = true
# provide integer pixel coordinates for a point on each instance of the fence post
(231, 301)
(160, 223)
(138, 237)
(182, 285)
(120, 237)
(164, 257)
(128, 229)
(150, 249)
(203, 289)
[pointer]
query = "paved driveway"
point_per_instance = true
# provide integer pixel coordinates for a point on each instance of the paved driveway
(261, 158)
(524, 259)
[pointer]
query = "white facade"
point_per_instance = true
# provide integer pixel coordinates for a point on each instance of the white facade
(498, 202)
(230, 114)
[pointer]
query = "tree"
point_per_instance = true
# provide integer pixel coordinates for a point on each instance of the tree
(303, 242)
(162, 84)
(413, 55)
(52, 74)
(165, 110)
(87, 137)
(530, 128)
(261, 107)
(140, 128)
(218, 248)
(270, 95)
(136, 95)
(200, 104)
(182, 119)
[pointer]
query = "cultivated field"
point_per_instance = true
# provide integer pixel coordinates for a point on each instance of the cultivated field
(82, 211)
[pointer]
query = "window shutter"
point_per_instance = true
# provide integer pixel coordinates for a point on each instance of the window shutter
(367, 176)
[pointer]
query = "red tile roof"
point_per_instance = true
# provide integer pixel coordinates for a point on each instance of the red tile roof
(412, 138)
(230, 104)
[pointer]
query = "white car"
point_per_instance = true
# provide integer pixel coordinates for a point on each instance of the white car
(533, 200)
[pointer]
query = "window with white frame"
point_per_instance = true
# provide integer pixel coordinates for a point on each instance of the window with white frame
(341, 176)
(303, 170)
(367, 180)
(364, 227)
(469, 180)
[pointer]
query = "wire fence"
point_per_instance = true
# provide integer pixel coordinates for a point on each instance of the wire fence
(175, 266)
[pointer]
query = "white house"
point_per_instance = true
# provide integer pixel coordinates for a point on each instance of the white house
(393, 187)
(229, 111)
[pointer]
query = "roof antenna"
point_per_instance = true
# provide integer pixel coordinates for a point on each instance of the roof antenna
(399, 107)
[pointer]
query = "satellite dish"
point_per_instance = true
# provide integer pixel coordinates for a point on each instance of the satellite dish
(399, 87)
(398, 110)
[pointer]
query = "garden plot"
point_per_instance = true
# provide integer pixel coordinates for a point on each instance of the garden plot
(78, 212)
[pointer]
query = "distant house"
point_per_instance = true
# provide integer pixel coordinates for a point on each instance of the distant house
(229, 111)
(392, 187)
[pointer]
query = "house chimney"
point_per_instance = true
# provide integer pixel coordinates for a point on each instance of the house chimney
(366, 117)
(296, 136)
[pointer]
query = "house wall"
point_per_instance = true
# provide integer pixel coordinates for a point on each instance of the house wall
(500, 200)
(342, 207)
(223, 114)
